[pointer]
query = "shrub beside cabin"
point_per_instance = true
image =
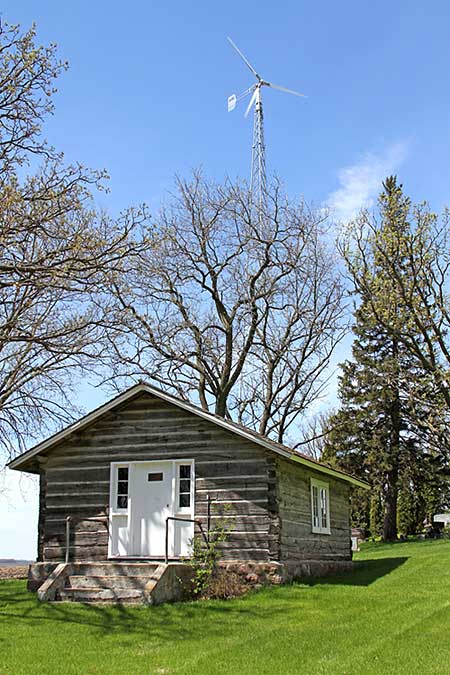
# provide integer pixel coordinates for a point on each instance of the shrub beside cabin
(126, 471)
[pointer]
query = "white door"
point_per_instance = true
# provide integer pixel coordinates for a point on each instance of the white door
(151, 492)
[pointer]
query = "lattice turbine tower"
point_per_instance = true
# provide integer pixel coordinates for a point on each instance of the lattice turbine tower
(258, 177)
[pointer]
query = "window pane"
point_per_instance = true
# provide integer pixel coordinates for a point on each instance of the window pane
(185, 485)
(185, 471)
(122, 488)
(323, 507)
(122, 502)
(315, 495)
(122, 473)
(185, 500)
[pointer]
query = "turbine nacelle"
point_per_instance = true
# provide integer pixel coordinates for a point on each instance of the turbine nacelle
(255, 89)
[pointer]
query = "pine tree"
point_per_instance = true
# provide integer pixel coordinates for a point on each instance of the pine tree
(389, 408)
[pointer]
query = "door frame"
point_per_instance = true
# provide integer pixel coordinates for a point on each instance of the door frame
(114, 512)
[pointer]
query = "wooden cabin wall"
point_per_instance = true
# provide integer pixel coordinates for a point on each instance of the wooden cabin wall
(233, 471)
(297, 541)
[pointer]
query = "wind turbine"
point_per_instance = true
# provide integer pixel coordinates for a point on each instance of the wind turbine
(258, 180)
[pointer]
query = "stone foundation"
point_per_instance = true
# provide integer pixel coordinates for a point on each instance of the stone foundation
(274, 573)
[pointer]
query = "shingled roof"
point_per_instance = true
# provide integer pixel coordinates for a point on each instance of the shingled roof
(27, 460)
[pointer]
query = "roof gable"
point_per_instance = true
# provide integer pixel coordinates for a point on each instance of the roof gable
(24, 461)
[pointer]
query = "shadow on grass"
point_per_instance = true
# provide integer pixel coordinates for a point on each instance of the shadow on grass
(162, 623)
(364, 573)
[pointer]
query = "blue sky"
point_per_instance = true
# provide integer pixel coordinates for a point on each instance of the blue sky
(145, 98)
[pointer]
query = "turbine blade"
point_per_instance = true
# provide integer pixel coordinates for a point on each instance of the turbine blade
(288, 91)
(249, 65)
(250, 103)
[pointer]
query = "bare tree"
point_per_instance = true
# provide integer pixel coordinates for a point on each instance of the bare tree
(54, 251)
(237, 309)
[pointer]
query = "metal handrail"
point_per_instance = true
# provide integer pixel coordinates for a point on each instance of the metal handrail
(182, 520)
(68, 519)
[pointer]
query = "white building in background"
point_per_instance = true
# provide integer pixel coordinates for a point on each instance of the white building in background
(443, 518)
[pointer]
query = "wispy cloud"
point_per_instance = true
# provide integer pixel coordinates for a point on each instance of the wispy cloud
(361, 182)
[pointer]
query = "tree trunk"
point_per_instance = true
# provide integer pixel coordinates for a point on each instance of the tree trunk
(221, 404)
(391, 497)
(390, 507)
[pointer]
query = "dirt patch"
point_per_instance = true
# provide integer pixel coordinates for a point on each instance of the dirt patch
(16, 572)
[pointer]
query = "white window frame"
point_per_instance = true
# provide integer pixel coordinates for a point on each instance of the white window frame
(316, 524)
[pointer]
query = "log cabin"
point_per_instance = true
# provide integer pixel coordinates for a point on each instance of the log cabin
(126, 487)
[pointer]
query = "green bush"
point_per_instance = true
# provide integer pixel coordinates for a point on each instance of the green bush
(204, 556)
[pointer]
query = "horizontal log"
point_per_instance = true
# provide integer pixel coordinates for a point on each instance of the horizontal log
(313, 540)
(71, 481)
(56, 531)
(244, 544)
(79, 519)
(87, 539)
(101, 470)
(296, 515)
(247, 522)
(228, 464)
(298, 556)
(236, 509)
(211, 481)
(244, 555)
(140, 422)
(53, 495)
(76, 553)
(257, 494)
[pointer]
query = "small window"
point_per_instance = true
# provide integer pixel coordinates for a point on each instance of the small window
(152, 477)
(320, 507)
(184, 486)
(122, 487)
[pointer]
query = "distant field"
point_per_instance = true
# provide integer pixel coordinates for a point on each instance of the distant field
(16, 571)
(13, 569)
(391, 616)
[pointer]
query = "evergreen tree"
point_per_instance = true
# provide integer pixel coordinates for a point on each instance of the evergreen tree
(390, 416)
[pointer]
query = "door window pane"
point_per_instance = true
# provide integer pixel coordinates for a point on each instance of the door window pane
(122, 487)
(185, 471)
(184, 486)
(122, 473)
(122, 501)
(185, 500)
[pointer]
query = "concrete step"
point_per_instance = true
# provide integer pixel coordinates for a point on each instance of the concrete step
(114, 569)
(122, 595)
(108, 581)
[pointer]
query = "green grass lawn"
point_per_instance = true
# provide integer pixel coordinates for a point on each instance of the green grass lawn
(391, 615)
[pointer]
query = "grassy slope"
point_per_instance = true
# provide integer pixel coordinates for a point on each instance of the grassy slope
(392, 615)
